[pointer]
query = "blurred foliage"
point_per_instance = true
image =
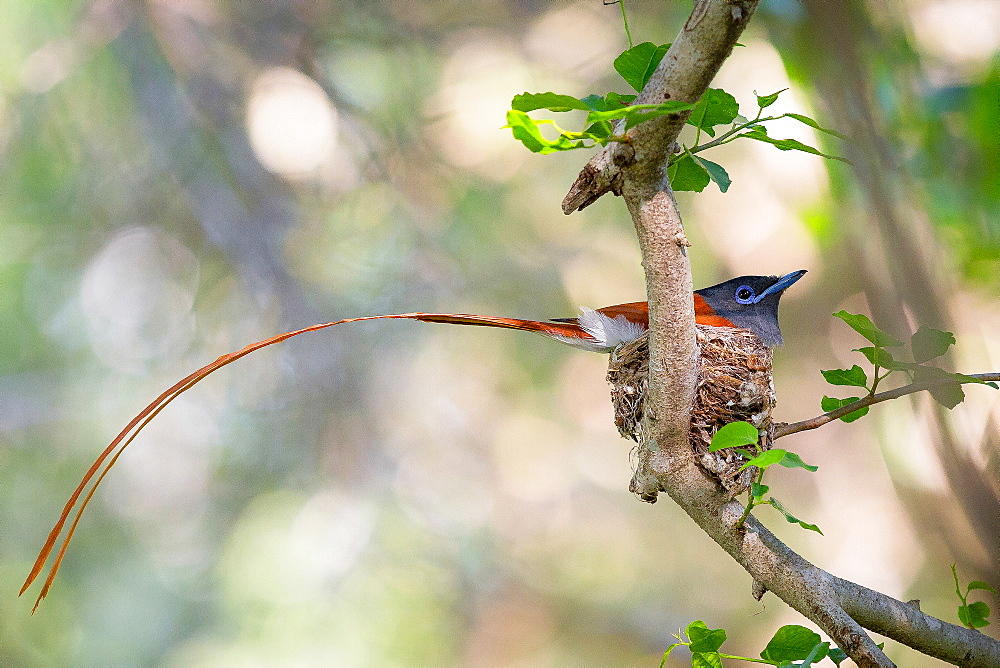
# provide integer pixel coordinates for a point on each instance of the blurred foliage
(179, 179)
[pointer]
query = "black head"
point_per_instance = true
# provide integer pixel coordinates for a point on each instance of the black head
(751, 302)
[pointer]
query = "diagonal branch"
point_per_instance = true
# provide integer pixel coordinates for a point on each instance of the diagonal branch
(820, 420)
(636, 170)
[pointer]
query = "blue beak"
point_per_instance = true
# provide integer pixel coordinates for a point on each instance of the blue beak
(783, 283)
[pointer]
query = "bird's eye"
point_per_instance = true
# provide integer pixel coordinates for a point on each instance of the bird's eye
(745, 294)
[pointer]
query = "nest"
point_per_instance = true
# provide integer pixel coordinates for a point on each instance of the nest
(734, 383)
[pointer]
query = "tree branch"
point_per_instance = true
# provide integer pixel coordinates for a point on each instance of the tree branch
(636, 170)
(820, 420)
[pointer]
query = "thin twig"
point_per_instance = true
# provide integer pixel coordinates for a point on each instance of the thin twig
(871, 399)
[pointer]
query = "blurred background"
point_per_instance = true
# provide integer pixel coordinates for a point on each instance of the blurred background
(179, 178)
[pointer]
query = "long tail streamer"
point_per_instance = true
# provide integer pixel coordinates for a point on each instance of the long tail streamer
(114, 450)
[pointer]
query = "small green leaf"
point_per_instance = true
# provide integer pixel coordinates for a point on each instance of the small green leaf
(928, 344)
(837, 655)
(854, 376)
(526, 131)
(706, 660)
(594, 102)
(638, 113)
(791, 518)
(716, 107)
(757, 491)
(792, 461)
(734, 435)
(636, 65)
(866, 328)
(758, 133)
(948, 396)
(813, 124)
(830, 404)
(975, 615)
(704, 639)
(818, 653)
(884, 359)
(716, 172)
(767, 100)
(686, 174)
(551, 101)
(613, 100)
(599, 131)
(765, 459)
(979, 584)
(790, 643)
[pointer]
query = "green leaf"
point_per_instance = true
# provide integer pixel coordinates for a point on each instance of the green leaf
(975, 615)
(551, 101)
(923, 373)
(638, 113)
(792, 461)
(765, 459)
(792, 519)
(854, 376)
(716, 107)
(790, 643)
(758, 133)
(686, 174)
(636, 65)
(928, 344)
(837, 655)
(526, 131)
(979, 584)
(734, 435)
(818, 653)
(866, 328)
(599, 131)
(830, 404)
(948, 396)
(884, 359)
(613, 100)
(757, 491)
(594, 102)
(704, 639)
(706, 660)
(716, 172)
(767, 100)
(813, 124)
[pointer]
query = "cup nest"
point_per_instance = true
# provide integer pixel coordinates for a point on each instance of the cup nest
(734, 383)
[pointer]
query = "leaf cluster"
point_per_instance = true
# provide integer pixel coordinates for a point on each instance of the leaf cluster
(925, 345)
(972, 615)
(742, 435)
(716, 114)
(792, 645)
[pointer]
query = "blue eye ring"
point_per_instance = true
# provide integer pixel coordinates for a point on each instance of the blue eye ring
(745, 295)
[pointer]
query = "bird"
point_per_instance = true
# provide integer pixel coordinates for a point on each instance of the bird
(745, 302)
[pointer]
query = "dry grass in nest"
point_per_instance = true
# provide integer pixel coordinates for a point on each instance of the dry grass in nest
(734, 383)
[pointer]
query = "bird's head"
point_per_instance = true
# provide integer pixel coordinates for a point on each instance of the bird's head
(751, 302)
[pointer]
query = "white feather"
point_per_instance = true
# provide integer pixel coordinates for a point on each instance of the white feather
(606, 333)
